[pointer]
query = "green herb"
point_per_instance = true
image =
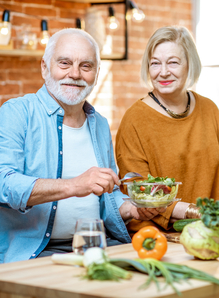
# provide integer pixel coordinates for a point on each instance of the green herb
(210, 212)
(106, 271)
(172, 273)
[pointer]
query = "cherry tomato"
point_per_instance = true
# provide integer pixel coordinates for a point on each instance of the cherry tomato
(142, 188)
(169, 188)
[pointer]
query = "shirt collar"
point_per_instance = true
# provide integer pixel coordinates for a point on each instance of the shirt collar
(52, 106)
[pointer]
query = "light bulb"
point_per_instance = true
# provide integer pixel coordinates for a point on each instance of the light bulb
(5, 27)
(137, 15)
(44, 34)
(44, 37)
(112, 22)
(134, 13)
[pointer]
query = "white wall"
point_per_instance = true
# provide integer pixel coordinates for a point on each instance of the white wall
(206, 29)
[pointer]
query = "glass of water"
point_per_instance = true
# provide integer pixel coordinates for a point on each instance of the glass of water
(88, 233)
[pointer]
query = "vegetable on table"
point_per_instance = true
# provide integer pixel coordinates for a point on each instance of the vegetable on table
(181, 223)
(172, 273)
(100, 267)
(106, 271)
(95, 255)
(96, 262)
(201, 238)
(149, 242)
(67, 259)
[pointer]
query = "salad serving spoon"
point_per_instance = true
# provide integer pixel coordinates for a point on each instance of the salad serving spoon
(130, 175)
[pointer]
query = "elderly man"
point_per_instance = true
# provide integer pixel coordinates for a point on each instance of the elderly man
(56, 134)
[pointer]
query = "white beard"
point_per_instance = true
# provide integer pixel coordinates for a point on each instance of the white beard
(69, 96)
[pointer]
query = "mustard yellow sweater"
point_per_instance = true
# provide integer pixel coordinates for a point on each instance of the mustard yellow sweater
(185, 149)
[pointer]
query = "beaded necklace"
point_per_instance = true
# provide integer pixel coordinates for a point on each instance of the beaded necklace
(171, 113)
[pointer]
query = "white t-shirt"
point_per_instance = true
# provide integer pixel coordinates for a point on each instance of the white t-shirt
(78, 156)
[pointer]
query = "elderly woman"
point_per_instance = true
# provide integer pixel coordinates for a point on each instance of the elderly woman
(172, 131)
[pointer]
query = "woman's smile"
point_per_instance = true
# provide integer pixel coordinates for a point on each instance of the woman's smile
(165, 83)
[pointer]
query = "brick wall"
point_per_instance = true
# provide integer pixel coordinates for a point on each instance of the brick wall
(119, 83)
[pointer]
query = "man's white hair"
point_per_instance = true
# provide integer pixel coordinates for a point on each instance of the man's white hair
(50, 48)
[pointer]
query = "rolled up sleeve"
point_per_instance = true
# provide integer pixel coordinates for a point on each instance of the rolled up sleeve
(15, 186)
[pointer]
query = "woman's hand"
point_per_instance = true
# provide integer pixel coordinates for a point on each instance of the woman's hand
(129, 211)
(146, 213)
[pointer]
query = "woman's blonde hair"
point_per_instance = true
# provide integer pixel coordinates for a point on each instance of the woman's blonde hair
(182, 37)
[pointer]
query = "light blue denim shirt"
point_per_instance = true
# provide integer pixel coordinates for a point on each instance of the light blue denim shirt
(31, 148)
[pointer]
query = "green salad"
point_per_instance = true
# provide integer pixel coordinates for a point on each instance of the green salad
(159, 193)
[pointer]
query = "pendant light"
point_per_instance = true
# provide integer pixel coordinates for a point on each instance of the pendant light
(134, 13)
(5, 28)
(112, 22)
(44, 34)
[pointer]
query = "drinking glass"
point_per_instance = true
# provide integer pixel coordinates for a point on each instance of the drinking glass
(88, 233)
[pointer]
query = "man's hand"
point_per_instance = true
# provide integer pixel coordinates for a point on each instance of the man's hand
(95, 180)
(129, 211)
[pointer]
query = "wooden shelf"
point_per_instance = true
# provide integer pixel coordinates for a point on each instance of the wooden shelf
(15, 52)
(38, 53)
(113, 56)
(91, 1)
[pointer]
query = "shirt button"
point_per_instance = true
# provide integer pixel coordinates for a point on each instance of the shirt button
(33, 255)
(54, 207)
(60, 127)
(60, 111)
(50, 112)
(47, 234)
(60, 152)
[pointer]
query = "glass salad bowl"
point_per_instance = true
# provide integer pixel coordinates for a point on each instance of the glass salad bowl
(144, 194)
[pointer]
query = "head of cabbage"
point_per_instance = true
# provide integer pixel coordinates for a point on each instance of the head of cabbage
(200, 241)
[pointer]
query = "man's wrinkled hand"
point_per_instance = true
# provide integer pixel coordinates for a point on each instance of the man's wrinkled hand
(95, 180)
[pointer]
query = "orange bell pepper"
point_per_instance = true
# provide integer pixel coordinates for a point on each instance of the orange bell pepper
(149, 242)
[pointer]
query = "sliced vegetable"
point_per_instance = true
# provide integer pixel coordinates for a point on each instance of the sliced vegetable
(149, 242)
(181, 223)
(156, 189)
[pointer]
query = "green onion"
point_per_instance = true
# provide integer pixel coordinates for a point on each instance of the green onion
(172, 273)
